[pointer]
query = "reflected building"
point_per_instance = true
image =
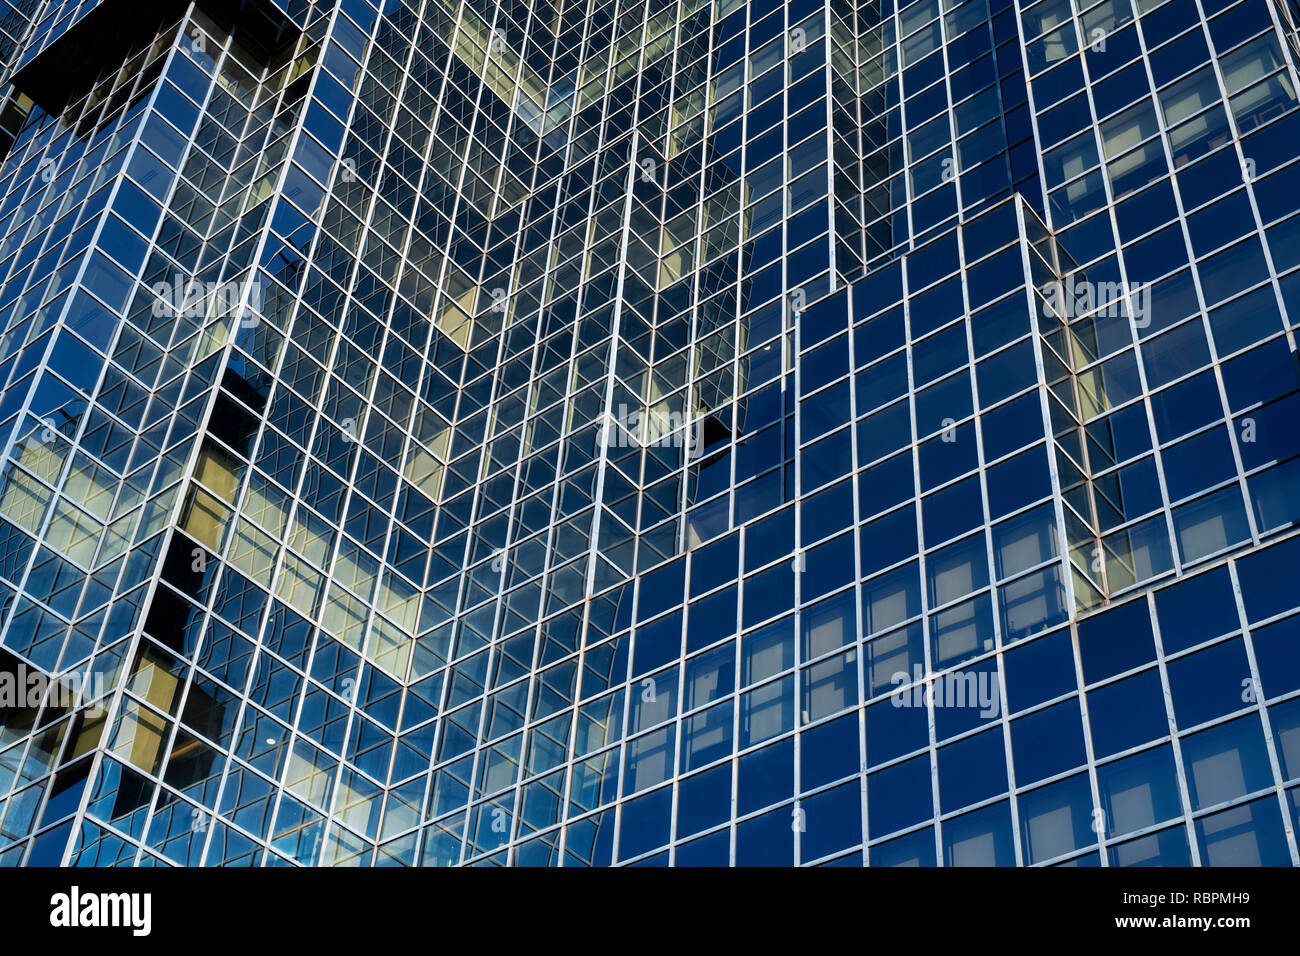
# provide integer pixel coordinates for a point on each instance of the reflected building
(689, 432)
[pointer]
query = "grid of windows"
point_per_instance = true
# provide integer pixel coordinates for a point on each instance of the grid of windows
(652, 431)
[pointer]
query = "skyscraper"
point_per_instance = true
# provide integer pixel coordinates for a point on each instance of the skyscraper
(649, 431)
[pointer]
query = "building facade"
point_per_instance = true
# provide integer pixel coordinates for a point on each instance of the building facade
(686, 432)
